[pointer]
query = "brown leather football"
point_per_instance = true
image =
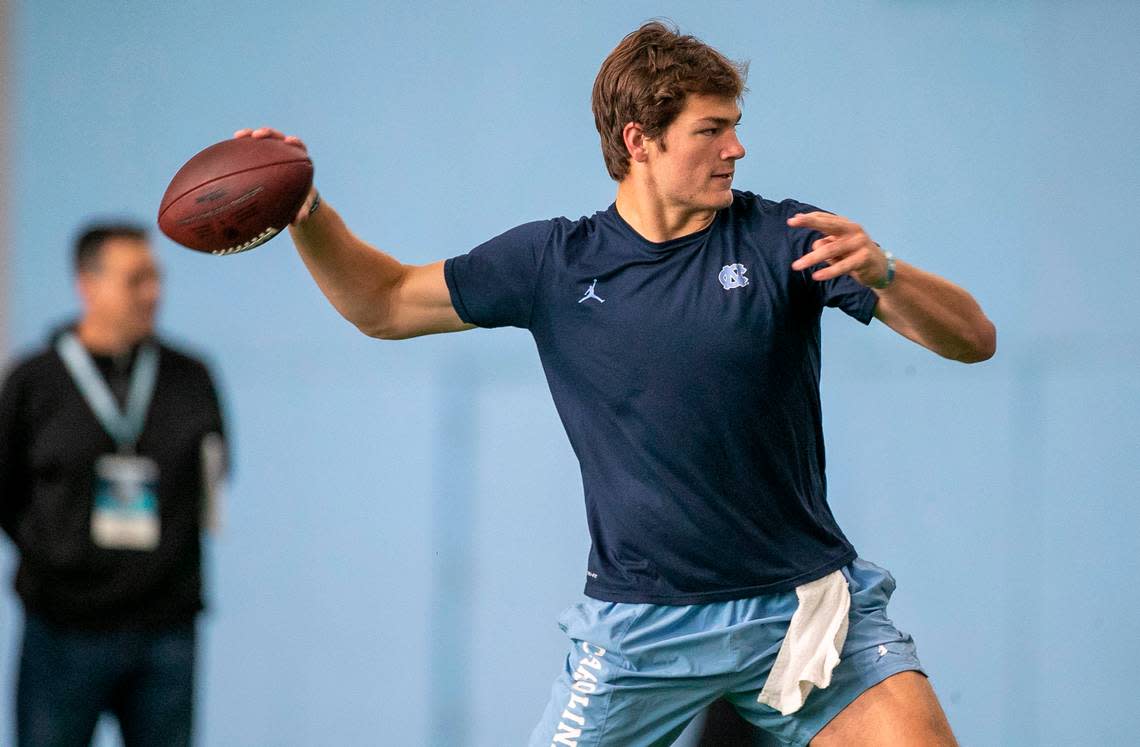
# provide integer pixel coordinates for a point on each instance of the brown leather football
(235, 195)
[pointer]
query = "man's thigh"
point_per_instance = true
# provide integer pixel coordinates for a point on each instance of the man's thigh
(66, 680)
(900, 710)
(155, 705)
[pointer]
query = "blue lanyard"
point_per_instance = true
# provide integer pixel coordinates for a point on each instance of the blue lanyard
(124, 427)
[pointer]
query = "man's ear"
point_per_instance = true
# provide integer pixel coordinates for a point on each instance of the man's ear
(635, 142)
(84, 288)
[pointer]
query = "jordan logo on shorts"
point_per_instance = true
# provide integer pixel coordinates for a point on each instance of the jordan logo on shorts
(732, 276)
(590, 293)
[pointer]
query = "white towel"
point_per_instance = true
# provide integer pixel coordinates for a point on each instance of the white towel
(812, 644)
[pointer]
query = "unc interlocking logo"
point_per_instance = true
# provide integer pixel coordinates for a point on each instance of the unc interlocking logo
(732, 276)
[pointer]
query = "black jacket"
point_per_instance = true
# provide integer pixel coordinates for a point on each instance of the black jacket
(49, 442)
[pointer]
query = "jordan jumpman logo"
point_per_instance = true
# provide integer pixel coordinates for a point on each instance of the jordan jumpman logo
(590, 294)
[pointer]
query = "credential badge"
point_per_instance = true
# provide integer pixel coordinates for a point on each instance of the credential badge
(732, 276)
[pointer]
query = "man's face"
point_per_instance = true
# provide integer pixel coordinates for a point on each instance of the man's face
(123, 290)
(695, 168)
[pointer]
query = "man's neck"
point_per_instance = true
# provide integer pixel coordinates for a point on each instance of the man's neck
(102, 339)
(654, 220)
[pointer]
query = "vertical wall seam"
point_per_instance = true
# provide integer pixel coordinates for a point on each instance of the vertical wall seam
(5, 188)
(453, 514)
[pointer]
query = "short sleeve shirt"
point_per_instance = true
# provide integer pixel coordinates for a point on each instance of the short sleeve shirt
(686, 374)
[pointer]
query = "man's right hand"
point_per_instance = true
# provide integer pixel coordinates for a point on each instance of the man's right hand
(268, 132)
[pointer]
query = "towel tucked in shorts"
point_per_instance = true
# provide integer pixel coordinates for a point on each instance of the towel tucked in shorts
(636, 674)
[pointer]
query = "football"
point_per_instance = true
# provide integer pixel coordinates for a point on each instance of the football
(235, 195)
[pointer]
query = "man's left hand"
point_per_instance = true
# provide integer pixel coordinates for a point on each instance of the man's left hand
(845, 248)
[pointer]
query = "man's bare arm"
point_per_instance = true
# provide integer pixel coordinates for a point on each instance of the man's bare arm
(936, 314)
(376, 292)
(381, 296)
(919, 305)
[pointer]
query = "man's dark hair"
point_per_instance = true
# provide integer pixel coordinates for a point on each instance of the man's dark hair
(646, 80)
(89, 245)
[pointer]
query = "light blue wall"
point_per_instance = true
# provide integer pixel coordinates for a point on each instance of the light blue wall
(406, 520)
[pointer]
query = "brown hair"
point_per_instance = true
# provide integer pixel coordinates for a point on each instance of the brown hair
(646, 79)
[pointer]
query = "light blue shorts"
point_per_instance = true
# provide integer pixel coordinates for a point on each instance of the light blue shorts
(637, 674)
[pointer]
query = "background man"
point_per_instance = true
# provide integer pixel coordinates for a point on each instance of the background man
(110, 442)
(679, 332)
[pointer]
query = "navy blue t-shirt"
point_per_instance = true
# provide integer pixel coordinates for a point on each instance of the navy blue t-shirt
(686, 374)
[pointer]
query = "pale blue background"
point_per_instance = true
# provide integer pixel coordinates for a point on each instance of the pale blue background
(382, 486)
